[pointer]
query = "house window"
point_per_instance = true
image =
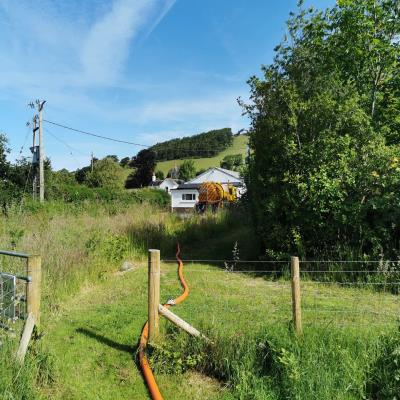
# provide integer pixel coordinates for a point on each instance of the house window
(189, 196)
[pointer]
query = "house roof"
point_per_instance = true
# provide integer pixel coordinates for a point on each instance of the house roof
(196, 186)
(176, 181)
(184, 186)
(217, 174)
(229, 172)
(155, 183)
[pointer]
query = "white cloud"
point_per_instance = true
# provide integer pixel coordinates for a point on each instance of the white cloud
(66, 45)
(107, 44)
(72, 53)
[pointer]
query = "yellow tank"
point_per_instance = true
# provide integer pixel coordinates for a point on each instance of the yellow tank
(214, 193)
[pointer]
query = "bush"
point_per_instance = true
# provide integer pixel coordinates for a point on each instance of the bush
(232, 162)
(107, 173)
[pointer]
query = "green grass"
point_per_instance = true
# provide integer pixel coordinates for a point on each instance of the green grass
(94, 337)
(92, 316)
(238, 147)
(94, 342)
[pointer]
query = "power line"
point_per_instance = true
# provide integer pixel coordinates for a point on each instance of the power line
(94, 134)
(71, 149)
(211, 149)
(66, 144)
(24, 143)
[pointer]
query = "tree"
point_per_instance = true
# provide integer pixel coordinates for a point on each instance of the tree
(124, 161)
(160, 175)
(205, 144)
(324, 163)
(232, 162)
(4, 150)
(187, 170)
(106, 174)
(81, 174)
(144, 163)
(113, 157)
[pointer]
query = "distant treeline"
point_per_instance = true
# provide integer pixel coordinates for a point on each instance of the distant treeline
(206, 144)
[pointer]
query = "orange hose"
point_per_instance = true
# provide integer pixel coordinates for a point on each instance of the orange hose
(144, 364)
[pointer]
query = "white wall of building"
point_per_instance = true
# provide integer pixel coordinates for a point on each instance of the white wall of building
(185, 198)
(168, 184)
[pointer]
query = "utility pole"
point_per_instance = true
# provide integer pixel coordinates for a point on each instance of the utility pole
(38, 151)
(91, 160)
(35, 158)
(40, 105)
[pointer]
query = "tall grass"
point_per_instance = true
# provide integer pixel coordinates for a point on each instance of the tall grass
(273, 364)
(79, 244)
(18, 381)
(84, 242)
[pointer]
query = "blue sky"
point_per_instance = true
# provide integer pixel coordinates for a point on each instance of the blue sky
(137, 70)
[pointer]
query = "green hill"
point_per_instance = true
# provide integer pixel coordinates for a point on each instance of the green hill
(238, 147)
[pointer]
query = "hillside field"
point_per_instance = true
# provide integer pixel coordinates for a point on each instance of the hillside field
(238, 147)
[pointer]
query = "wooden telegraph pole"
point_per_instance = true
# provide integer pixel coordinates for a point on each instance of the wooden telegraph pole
(40, 105)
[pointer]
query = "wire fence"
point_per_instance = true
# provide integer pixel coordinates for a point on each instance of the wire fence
(13, 291)
(20, 282)
(239, 293)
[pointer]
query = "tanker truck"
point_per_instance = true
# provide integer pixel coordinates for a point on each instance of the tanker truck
(214, 195)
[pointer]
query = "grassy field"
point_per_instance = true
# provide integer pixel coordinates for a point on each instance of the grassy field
(238, 147)
(94, 336)
(93, 315)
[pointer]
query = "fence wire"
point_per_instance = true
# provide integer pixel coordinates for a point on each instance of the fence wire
(13, 291)
(231, 295)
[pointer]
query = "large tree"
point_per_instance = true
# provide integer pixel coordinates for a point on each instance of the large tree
(232, 161)
(106, 173)
(144, 164)
(187, 170)
(323, 174)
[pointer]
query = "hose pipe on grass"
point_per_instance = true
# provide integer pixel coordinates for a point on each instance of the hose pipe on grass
(144, 364)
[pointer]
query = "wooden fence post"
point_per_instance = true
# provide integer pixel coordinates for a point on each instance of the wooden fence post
(26, 337)
(33, 291)
(296, 295)
(154, 294)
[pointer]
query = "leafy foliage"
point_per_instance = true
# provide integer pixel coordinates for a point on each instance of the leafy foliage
(144, 162)
(324, 169)
(206, 144)
(160, 175)
(124, 161)
(233, 162)
(107, 173)
(187, 170)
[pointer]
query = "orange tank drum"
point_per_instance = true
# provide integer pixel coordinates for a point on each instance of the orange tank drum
(211, 193)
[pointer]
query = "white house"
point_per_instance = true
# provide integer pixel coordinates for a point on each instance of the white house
(185, 196)
(167, 184)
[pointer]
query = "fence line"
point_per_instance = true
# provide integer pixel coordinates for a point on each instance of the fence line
(319, 299)
(20, 296)
(283, 261)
